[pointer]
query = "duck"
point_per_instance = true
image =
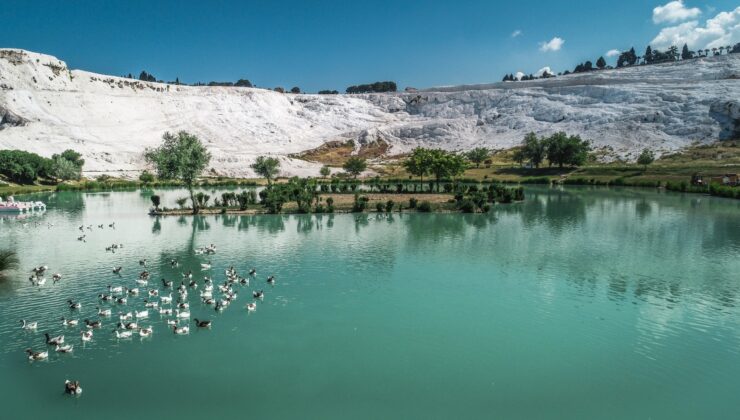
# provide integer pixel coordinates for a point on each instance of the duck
(251, 307)
(167, 283)
(209, 301)
(258, 294)
(206, 294)
(202, 324)
(153, 293)
(37, 355)
(40, 281)
(181, 330)
(244, 281)
(105, 298)
(188, 275)
(132, 292)
(29, 325)
(125, 317)
(173, 322)
(142, 314)
(74, 305)
(165, 311)
(271, 280)
(220, 305)
(56, 277)
(192, 284)
(165, 299)
(67, 348)
(174, 263)
(93, 324)
(146, 332)
(142, 282)
(148, 304)
(142, 262)
(72, 387)
(253, 272)
(117, 289)
(103, 312)
(69, 322)
(122, 334)
(121, 300)
(205, 266)
(86, 335)
(128, 325)
(183, 305)
(53, 341)
(117, 270)
(182, 314)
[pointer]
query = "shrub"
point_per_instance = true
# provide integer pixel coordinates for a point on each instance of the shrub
(146, 177)
(181, 202)
(425, 207)
(389, 206)
(467, 206)
(412, 202)
(379, 207)
(360, 203)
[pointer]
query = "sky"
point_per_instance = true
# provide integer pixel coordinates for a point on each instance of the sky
(333, 44)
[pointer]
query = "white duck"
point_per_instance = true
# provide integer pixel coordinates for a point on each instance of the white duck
(181, 330)
(142, 314)
(37, 355)
(87, 335)
(67, 348)
(183, 314)
(146, 332)
(123, 334)
(165, 299)
(104, 312)
(53, 341)
(29, 325)
(251, 307)
(70, 322)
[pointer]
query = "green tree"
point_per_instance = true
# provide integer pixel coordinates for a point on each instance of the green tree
(156, 201)
(519, 156)
(65, 169)
(601, 63)
(646, 158)
(146, 177)
(354, 165)
(266, 167)
(181, 202)
(564, 150)
(534, 149)
(477, 155)
(325, 171)
(418, 163)
(445, 165)
(181, 156)
(685, 53)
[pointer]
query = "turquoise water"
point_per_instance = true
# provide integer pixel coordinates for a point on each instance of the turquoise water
(577, 304)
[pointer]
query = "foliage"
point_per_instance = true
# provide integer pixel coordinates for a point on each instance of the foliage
(328, 92)
(425, 207)
(325, 171)
(8, 260)
(146, 177)
(477, 155)
(24, 167)
(295, 89)
(64, 169)
(389, 205)
(567, 150)
(445, 165)
(601, 63)
(156, 201)
(379, 207)
(377, 87)
(534, 149)
(360, 203)
(266, 167)
(413, 202)
(181, 202)
(419, 162)
(646, 158)
(181, 156)
(355, 165)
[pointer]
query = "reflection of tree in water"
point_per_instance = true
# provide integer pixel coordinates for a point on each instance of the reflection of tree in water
(305, 223)
(227, 220)
(272, 223)
(330, 221)
(361, 220)
(643, 208)
(564, 211)
(200, 223)
(156, 226)
(182, 221)
(433, 227)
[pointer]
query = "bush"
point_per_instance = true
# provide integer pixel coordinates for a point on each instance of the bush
(412, 202)
(425, 207)
(389, 206)
(467, 206)
(379, 207)
(360, 203)
(146, 177)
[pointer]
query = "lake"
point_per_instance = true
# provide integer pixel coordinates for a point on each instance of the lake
(580, 303)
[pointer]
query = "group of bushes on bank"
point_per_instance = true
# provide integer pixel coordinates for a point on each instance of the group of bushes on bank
(718, 190)
(26, 167)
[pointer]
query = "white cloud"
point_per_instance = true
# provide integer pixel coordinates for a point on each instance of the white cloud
(720, 31)
(613, 53)
(519, 75)
(516, 33)
(674, 11)
(554, 44)
(543, 70)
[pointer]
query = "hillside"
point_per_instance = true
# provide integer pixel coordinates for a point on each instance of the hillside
(45, 108)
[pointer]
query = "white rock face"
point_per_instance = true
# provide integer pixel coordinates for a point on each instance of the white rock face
(46, 108)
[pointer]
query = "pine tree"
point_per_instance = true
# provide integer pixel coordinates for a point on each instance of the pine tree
(648, 55)
(601, 63)
(685, 53)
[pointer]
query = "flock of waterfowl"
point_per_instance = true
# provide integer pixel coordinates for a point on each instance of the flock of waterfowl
(128, 307)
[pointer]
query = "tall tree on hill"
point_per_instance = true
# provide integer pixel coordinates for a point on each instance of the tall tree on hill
(355, 165)
(685, 53)
(601, 63)
(418, 163)
(266, 167)
(648, 55)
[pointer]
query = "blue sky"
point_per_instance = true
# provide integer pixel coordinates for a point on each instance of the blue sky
(333, 44)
